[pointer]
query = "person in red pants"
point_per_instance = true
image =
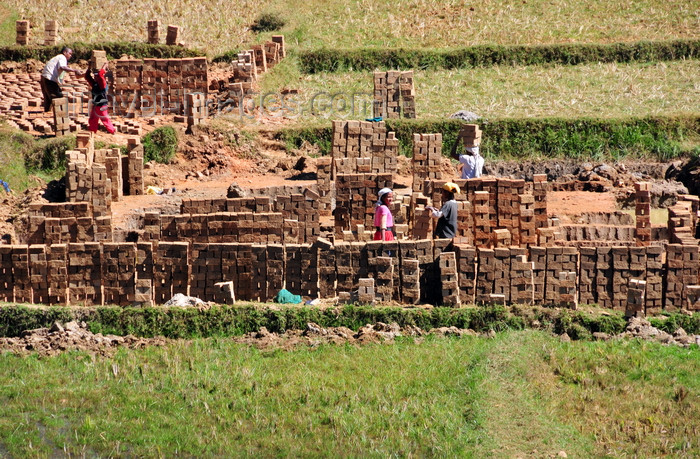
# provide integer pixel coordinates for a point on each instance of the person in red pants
(99, 100)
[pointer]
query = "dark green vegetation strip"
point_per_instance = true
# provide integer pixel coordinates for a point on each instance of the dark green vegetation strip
(659, 137)
(236, 320)
(84, 51)
(336, 60)
(522, 394)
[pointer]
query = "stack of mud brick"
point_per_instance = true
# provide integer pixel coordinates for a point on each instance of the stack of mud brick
(85, 273)
(171, 269)
(636, 291)
(449, 280)
(196, 109)
(195, 72)
(57, 273)
(490, 270)
(540, 188)
(394, 94)
(366, 291)
(134, 169)
(244, 73)
(6, 279)
(522, 280)
(326, 268)
(381, 270)
(466, 258)
(427, 158)
(113, 166)
(654, 279)
(151, 86)
(207, 206)
(482, 219)
(98, 59)
(356, 195)
(60, 116)
(61, 223)
(363, 147)
(683, 219)
(38, 274)
(50, 33)
(508, 205)
(22, 30)
(344, 267)
(642, 195)
(470, 135)
(324, 186)
(274, 50)
(410, 273)
(126, 89)
(301, 269)
(119, 273)
(260, 57)
(20, 287)
(421, 222)
(682, 264)
(153, 32)
(176, 91)
(303, 209)
(527, 231)
(171, 36)
(561, 276)
(207, 271)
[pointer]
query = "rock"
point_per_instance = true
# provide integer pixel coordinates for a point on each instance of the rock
(183, 301)
(56, 328)
(565, 338)
(235, 191)
(562, 454)
(679, 333)
(606, 171)
(600, 336)
(315, 329)
(465, 115)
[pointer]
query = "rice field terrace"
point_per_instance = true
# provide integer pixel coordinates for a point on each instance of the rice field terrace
(519, 394)
(221, 26)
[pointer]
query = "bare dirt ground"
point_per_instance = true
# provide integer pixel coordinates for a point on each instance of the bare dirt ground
(76, 336)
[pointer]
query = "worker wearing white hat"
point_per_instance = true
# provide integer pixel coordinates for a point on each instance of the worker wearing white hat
(383, 220)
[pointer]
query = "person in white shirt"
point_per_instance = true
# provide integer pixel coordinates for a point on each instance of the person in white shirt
(472, 161)
(52, 76)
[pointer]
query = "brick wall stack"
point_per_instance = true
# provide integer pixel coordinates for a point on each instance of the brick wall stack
(682, 263)
(394, 94)
(470, 135)
(540, 188)
(381, 269)
(482, 219)
(260, 57)
(113, 166)
(151, 101)
(426, 162)
(171, 266)
(449, 279)
(244, 74)
(279, 39)
(642, 194)
(356, 195)
(303, 209)
(680, 223)
(153, 32)
(522, 287)
(208, 206)
(176, 91)
(98, 59)
(38, 274)
(85, 273)
(324, 185)
(559, 259)
(326, 268)
(172, 35)
(508, 205)
(195, 109)
(135, 170)
(363, 147)
(587, 275)
(6, 279)
(654, 279)
(50, 33)
(22, 33)
(126, 89)
(20, 274)
(57, 277)
(60, 116)
(527, 228)
(119, 272)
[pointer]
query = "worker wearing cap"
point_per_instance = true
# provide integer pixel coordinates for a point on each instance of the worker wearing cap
(446, 227)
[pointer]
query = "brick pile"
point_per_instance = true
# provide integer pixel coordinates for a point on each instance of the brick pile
(470, 135)
(85, 273)
(153, 30)
(119, 273)
(394, 94)
(356, 195)
(427, 159)
(172, 35)
(324, 186)
(683, 262)
(50, 33)
(61, 121)
(363, 147)
(642, 195)
(22, 33)
(449, 279)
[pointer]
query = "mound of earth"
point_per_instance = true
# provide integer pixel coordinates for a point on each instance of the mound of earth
(72, 336)
(641, 328)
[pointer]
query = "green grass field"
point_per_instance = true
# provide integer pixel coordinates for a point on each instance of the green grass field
(220, 26)
(519, 394)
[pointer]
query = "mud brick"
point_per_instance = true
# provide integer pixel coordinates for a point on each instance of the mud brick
(449, 279)
(22, 30)
(38, 274)
(171, 37)
(692, 298)
(57, 273)
(486, 274)
(119, 273)
(366, 291)
(22, 286)
(467, 270)
(566, 290)
(381, 269)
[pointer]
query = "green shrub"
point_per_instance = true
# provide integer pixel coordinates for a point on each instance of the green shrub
(267, 22)
(83, 51)
(336, 60)
(160, 145)
(657, 137)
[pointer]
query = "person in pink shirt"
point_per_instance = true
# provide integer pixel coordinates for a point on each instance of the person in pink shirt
(383, 220)
(98, 112)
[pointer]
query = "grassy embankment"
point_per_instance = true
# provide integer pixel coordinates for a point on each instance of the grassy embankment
(519, 394)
